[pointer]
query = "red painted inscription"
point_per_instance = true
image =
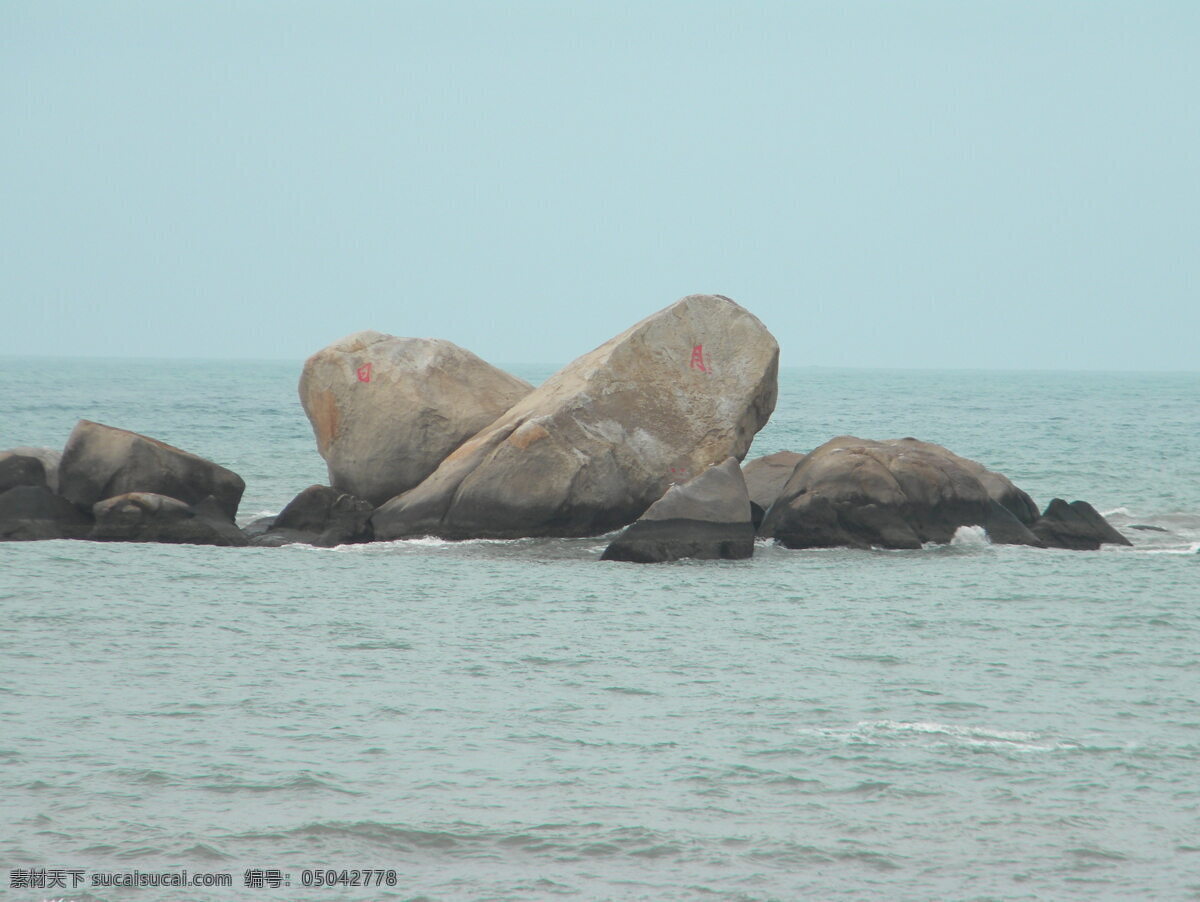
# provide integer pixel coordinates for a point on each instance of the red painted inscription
(364, 373)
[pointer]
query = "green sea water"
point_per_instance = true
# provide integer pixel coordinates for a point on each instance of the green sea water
(517, 720)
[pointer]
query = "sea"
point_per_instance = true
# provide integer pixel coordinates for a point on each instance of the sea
(517, 720)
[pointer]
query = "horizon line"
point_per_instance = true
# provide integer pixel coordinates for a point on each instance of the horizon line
(557, 366)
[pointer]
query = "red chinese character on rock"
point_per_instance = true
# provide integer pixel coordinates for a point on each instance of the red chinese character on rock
(364, 373)
(698, 359)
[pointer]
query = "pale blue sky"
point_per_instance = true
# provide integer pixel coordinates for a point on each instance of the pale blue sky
(924, 184)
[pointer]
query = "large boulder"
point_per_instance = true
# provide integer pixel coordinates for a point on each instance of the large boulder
(765, 478)
(892, 494)
(150, 517)
(49, 457)
(386, 410)
(602, 439)
(322, 516)
(707, 517)
(1076, 526)
(102, 462)
(29, 512)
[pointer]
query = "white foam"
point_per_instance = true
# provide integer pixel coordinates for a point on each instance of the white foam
(1122, 511)
(429, 541)
(937, 735)
(902, 726)
(1193, 548)
(970, 536)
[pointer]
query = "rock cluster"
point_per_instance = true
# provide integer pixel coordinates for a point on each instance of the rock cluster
(112, 485)
(904, 493)
(646, 432)
(604, 437)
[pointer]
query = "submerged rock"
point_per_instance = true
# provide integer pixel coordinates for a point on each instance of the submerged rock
(320, 515)
(893, 494)
(1076, 526)
(151, 517)
(765, 478)
(101, 462)
(707, 517)
(31, 512)
(604, 438)
(386, 410)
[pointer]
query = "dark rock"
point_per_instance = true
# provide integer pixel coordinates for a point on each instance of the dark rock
(765, 478)
(30, 512)
(1076, 526)
(150, 517)
(19, 469)
(1003, 527)
(386, 410)
(256, 528)
(320, 515)
(998, 486)
(707, 517)
(895, 494)
(102, 462)
(277, 538)
(212, 512)
(603, 438)
(50, 458)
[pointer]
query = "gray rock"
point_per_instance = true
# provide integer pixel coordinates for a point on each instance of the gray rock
(102, 462)
(49, 457)
(894, 494)
(998, 486)
(1076, 526)
(603, 439)
(258, 527)
(320, 515)
(707, 517)
(151, 517)
(19, 469)
(30, 512)
(386, 410)
(765, 478)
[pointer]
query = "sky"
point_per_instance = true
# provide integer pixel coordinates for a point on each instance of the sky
(884, 184)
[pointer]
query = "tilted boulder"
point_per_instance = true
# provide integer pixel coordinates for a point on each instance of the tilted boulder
(1076, 526)
(102, 462)
(386, 410)
(30, 512)
(893, 494)
(707, 517)
(151, 517)
(322, 516)
(50, 458)
(603, 438)
(765, 478)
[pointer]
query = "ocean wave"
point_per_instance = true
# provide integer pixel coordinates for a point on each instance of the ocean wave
(300, 783)
(1190, 548)
(880, 732)
(563, 842)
